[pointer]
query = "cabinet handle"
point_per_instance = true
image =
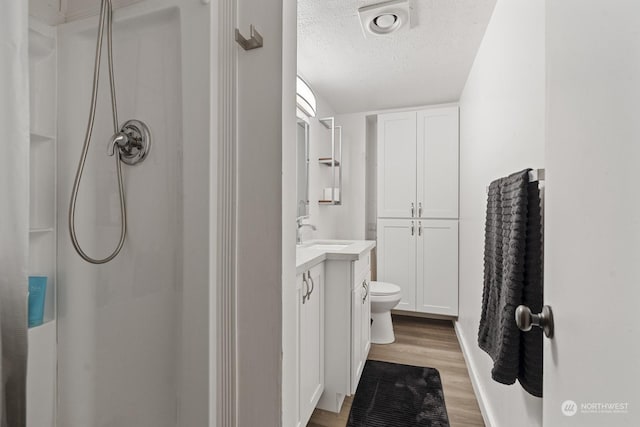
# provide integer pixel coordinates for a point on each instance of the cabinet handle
(420, 210)
(419, 228)
(313, 285)
(306, 292)
(413, 210)
(366, 291)
(413, 228)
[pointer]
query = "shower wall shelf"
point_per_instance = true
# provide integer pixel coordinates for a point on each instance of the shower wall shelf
(37, 138)
(42, 167)
(328, 161)
(334, 162)
(42, 360)
(41, 230)
(41, 46)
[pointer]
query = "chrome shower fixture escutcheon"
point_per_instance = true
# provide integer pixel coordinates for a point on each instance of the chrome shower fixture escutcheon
(133, 142)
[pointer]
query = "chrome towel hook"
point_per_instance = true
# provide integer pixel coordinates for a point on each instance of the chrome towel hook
(254, 42)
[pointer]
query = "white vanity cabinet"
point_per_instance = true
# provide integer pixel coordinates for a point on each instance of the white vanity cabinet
(310, 337)
(347, 327)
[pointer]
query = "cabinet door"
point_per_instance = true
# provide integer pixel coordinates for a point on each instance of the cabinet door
(397, 257)
(361, 327)
(396, 164)
(437, 170)
(357, 364)
(365, 324)
(312, 344)
(301, 290)
(437, 282)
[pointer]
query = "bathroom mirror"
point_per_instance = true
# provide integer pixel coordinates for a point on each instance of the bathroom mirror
(302, 168)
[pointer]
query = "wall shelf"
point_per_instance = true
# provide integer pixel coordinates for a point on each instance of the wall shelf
(38, 138)
(334, 161)
(41, 230)
(328, 161)
(40, 46)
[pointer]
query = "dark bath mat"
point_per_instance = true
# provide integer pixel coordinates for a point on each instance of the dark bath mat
(393, 395)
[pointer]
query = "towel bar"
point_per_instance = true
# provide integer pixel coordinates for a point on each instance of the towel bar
(535, 175)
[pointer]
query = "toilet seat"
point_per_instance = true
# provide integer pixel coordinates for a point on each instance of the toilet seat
(383, 289)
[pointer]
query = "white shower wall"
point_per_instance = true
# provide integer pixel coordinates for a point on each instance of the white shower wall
(133, 340)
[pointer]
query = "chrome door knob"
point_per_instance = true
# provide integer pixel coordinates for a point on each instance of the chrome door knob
(525, 319)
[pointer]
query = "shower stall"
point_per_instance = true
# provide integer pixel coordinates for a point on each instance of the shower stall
(126, 342)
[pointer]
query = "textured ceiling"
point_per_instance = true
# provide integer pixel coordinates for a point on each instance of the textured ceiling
(426, 65)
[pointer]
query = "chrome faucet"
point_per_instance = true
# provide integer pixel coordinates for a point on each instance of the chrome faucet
(300, 225)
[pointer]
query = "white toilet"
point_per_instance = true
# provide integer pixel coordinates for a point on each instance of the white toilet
(384, 297)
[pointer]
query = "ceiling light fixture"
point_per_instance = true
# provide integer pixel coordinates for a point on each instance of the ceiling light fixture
(305, 98)
(384, 18)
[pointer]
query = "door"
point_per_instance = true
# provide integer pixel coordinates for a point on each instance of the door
(397, 165)
(397, 258)
(592, 215)
(437, 267)
(437, 169)
(312, 343)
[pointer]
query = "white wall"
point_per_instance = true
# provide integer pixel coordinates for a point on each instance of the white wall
(351, 224)
(289, 205)
(324, 217)
(259, 204)
(345, 221)
(502, 130)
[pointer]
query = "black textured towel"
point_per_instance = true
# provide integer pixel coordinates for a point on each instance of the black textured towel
(512, 276)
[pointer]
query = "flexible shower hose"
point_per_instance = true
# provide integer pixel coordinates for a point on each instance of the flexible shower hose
(105, 18)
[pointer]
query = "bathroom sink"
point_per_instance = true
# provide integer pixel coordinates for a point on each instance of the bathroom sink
(327, 247)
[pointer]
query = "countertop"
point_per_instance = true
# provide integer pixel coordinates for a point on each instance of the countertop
(308, 256)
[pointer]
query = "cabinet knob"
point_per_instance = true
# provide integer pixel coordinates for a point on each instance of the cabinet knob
(413, 210)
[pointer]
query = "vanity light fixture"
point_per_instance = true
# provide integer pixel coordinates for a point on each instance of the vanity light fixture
(305, 98)
(384, 18)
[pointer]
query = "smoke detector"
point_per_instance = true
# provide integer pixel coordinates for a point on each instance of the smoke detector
(384, 18)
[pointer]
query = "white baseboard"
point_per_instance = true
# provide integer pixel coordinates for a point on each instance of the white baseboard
(485, 409)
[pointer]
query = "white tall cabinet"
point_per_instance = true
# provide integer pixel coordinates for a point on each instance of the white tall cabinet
(417, 207)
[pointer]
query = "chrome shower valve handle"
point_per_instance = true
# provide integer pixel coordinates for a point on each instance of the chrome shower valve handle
(119, 139)
(133, 142)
